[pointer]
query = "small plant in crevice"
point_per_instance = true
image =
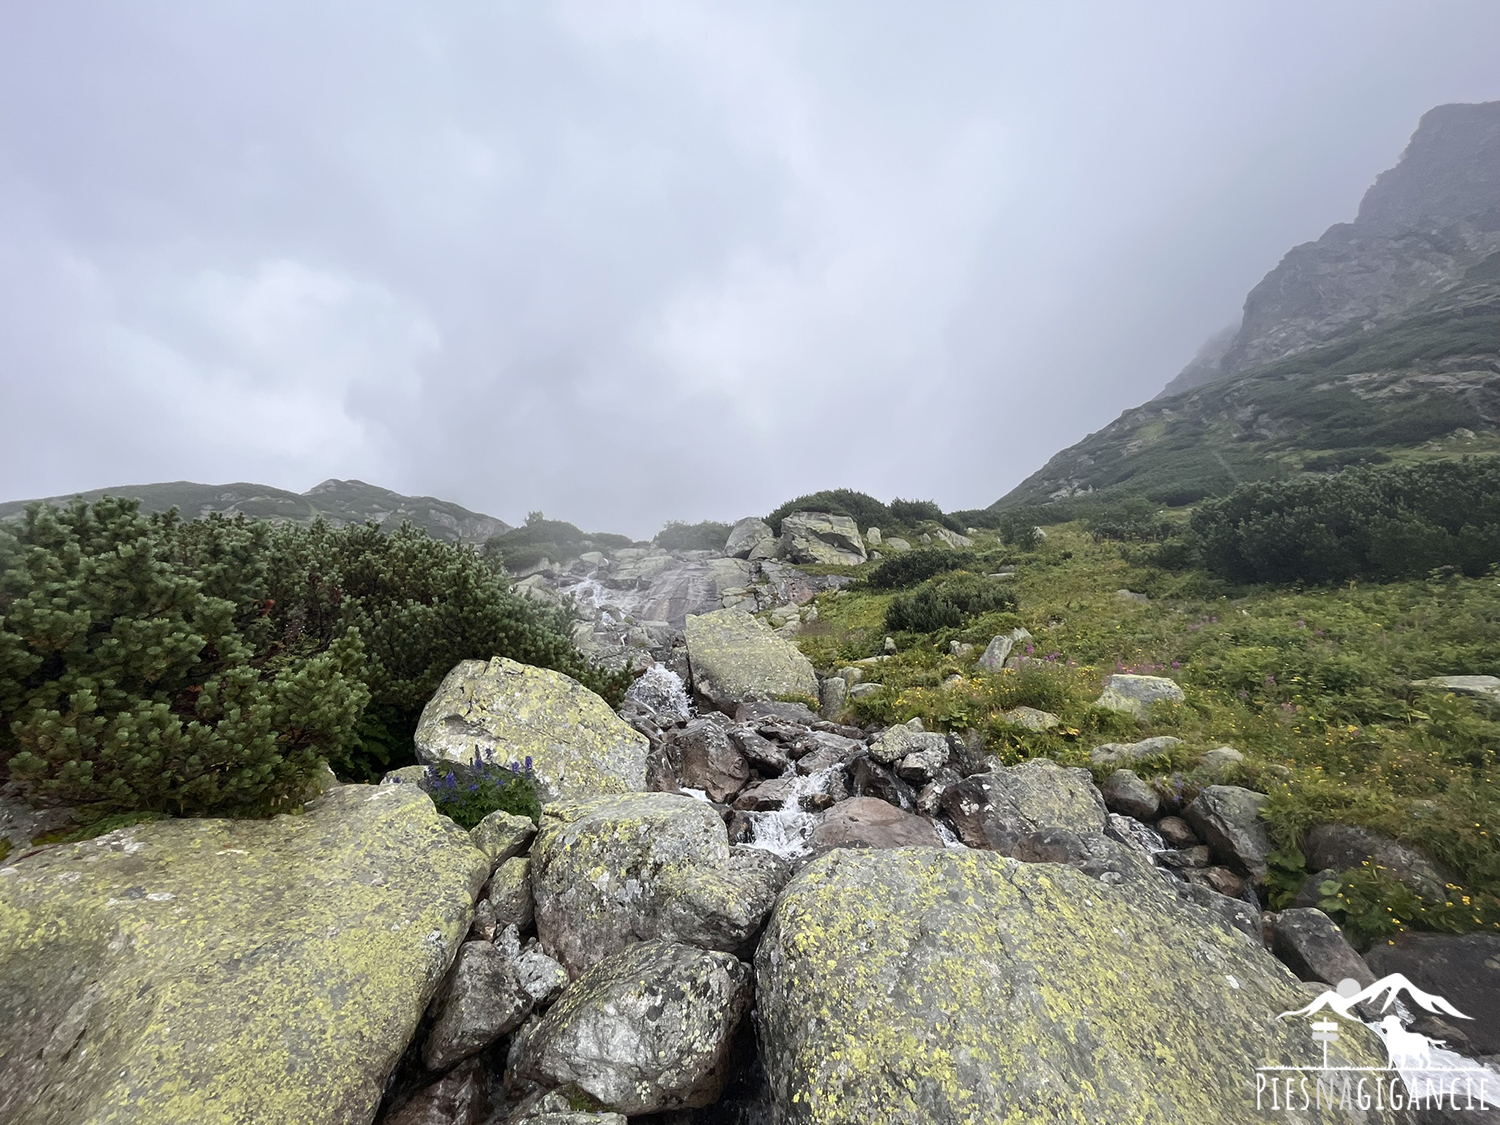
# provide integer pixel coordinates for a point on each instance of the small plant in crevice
(483, 786)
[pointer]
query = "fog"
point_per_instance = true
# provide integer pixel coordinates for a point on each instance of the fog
(631, 262)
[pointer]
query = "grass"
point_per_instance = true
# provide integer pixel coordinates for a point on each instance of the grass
(1312, 685)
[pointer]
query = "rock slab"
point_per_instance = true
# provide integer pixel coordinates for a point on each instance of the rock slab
(223, 971)
(736, 659)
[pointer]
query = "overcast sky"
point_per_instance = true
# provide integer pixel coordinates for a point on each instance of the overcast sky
(630, 262)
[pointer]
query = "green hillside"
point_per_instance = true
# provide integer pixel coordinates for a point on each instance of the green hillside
(1424, 386)
(339, 502)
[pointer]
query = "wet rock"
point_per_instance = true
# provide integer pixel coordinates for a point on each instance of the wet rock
(225, 952)
(868, 822)
(993, 810)
(460, 1097)
(512, 712)
(818, 751)
(709, 761)
(1128, 753)
(611, 872)
(1125, 792)
(1228, 819)
(866, 779)
(483, 1001)
(946, 986)
(510, 894)
(648, 1029)
(767, 756)
(1308, 943)
(1138, 695)
(1343, 847)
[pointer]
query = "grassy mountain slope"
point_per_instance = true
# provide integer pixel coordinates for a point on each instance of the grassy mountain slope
(337, 501)
(1424, 385)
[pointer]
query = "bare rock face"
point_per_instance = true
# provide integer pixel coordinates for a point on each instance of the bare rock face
(1312, 946)
(868, 822)
(484, 1000)
(751, 538)
(1228, 819)
(1343, 846)
(709, 761)
(646, 1030)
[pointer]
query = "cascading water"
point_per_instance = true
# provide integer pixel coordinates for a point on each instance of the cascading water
(663, 691)
(785, 831)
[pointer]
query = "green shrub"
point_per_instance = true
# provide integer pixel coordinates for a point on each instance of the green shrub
(910, 567)
(909, 513)
(1135, 520)
(948, 602)
(469, 795)
(143, 666)
(866, 511)
(1361, 523)
(706, 536)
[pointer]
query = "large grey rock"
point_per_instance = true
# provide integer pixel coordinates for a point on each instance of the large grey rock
(502, 835)
(510, 894)
(818, 537)
(1137, 695)
(646, 1030)
(1032, 718)
(227, 971)
(1344, 846)
(618, 870)
(736, 659)
(994, 810)
(894, 744)
(483, 1001)
(1480, 687)
(1220, 764)
(513, 712)
(1098, 856)
(833, 695)
(951, 539)
(751, 538)
(1312, 946)
(951, 987)
(1128, 753)
(869, 822)
(1228, 818)
(709, 761)
(1125, 792)
(1464, 968)
(998, 651)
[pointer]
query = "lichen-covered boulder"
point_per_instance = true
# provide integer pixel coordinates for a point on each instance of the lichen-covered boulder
(219, 971)
(819, 537)
(577, 745)
(751, 538)
(618, 870)
(483, 1000)
(1137, 695)
(502, 835)
(735, 658)
(894, 744)
(1129, 753)
(646, 1030)
(949, 987)
(995, 809)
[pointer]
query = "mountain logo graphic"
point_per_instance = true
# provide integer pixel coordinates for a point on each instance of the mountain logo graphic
(1349, 994)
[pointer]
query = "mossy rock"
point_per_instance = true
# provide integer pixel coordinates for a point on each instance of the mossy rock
(737, 659)
(577, 745)
(934, 986)
(219, 971)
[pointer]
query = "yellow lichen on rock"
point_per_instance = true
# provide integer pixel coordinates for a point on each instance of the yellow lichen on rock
(735, 658)
(213, 971)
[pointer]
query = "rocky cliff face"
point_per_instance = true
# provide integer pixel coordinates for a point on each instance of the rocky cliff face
(1421, 227)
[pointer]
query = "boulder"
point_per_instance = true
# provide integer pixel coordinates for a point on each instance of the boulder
(502, 835)
(994, 810)
(619, 870)
(1125, 792)
(897, 544)
(819, 537)
(866, 779)
(1098, 856)
(223, 971)
(646, 1030)
(953, 987)
(1227, 818)
(997, 652)
(833, 696)
(735, 658)
(1137, 695)
(765, 755)
(707, 760)
(460, 1097)
(483, 1000)
(952, 539)
(751, 538)
(921, 766)
(542, 978)
(869, 822)
(1031, 718)
(1480, 687)
(510, 894)
(894, 744)
(1128, 753)
(1464, 968)
(1176, 832)
(1312, 946)
(1220, 764)
(1345, 846)
(512, 713)
(775, 716)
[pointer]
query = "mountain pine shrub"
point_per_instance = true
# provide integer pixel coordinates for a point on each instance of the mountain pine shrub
(142, 666)
(709, 535)
(947, 602)
(911, 567)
